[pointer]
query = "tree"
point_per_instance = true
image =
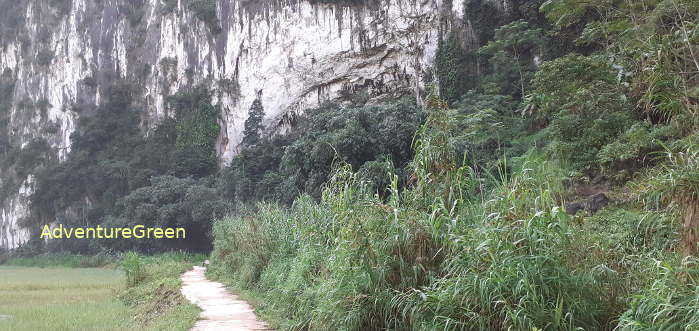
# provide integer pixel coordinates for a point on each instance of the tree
(253, 125)
(584, 105)
(197, 129)
(451, 68)
(281, 167)
(169, 202)
(512, 54)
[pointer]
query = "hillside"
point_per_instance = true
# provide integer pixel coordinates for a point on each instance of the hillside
(432, 165)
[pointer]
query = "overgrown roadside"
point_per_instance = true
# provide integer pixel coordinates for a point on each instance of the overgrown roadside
(153, 291)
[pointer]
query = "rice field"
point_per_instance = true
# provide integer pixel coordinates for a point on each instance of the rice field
(61, 299)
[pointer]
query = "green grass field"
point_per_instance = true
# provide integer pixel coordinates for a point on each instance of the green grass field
(61, 299)
(60, 296)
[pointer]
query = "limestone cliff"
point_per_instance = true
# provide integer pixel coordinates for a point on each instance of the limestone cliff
(56, 57)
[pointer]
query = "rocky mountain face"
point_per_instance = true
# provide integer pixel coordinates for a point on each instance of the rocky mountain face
(58, 56)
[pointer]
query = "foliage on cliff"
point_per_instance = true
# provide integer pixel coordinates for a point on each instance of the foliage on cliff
(451, 67)
(17, 160)
(197, 127)
(282, 167)
(253, 125)
(111, 164)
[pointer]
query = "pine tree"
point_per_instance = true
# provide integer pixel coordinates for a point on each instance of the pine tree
(253, 125)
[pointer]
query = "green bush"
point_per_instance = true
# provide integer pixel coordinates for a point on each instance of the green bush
(333, 265)
(168, 202)
(584, 104)
(280, 168)
(99, 164)
(429, 257)
(351, 262)
(133, 268)
(633, 149)
(156, 300)
(511, 53)
(253, 125)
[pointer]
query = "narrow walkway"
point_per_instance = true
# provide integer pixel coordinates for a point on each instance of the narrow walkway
(220, 309)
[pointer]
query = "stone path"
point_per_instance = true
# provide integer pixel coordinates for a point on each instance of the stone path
(220, 309)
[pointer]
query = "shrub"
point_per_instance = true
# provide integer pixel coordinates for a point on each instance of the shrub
(511, 54)
(253, 125)
(427, 258)
(156, 299)
(676, 181)
(333, 265)
(584, 104)
(633, 149)
(197, 129)
(117, 167)
(168, 202)
(133, 268)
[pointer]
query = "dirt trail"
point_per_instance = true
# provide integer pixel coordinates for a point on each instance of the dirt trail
(220, 309)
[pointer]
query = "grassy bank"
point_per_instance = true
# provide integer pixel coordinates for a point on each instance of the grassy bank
(153, 291)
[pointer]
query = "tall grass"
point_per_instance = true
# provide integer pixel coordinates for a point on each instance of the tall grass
(675, 182)
(330, 265)
(133, 267)
(509, 271)
(356, 262)
(670, 303)
(457, 250)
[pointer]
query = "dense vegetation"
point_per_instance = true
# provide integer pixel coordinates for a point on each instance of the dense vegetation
(374, 139)
(573, 99)
(447, 214)
(129, 179)
(17, 161)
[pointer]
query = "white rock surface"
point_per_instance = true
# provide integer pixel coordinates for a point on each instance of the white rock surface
(11, 234)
